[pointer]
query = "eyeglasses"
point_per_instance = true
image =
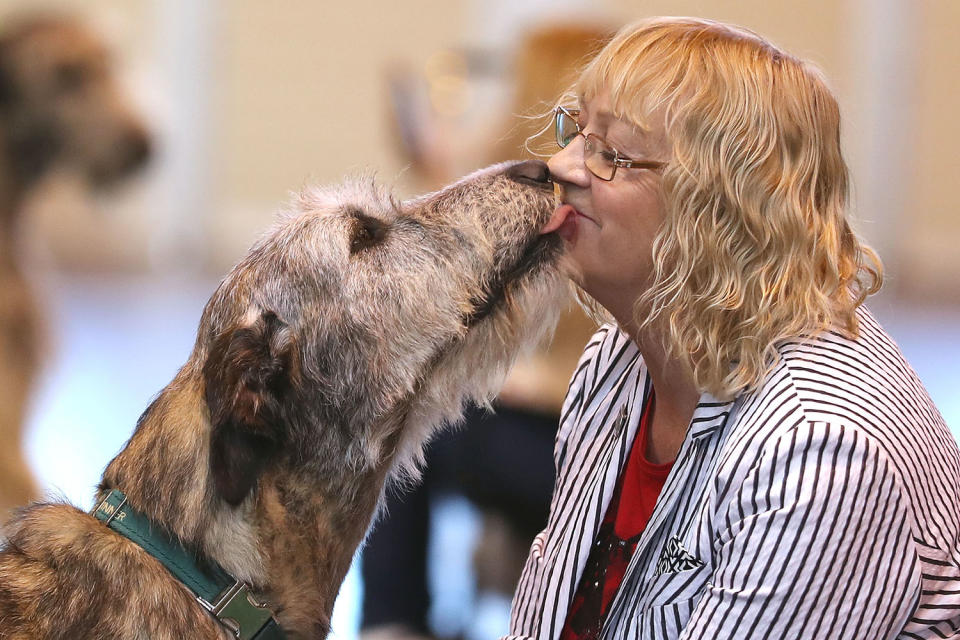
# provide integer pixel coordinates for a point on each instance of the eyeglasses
(598, 156)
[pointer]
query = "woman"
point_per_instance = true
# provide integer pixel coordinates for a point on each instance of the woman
(743, 451)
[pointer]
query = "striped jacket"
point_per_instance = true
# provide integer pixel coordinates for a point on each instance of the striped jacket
(825, 504)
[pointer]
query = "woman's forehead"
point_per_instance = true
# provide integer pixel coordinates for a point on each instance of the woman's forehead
(603, 108)
(603, 113)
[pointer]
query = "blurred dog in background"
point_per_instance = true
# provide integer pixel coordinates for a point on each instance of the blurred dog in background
(60, 107)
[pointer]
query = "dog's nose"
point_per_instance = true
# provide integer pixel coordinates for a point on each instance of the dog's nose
(136, 149)
(531, 172)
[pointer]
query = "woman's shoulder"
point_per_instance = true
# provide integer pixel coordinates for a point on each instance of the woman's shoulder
(861, 378)
(853, 386)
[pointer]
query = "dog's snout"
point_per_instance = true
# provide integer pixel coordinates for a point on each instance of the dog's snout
(136, 149)
(531, 172)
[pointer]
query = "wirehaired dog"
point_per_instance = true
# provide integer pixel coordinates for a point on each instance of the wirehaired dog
(59, 107)
(323, 362)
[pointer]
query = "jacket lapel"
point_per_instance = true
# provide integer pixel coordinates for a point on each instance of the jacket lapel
(608, 443)
(703, 433)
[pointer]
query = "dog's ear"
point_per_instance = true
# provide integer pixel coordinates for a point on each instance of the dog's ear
(366, 231)
(8, 90)
(247, 374)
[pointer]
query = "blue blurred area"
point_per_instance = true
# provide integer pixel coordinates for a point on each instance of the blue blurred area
(116, 341)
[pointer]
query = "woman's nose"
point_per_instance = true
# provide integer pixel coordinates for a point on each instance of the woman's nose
(566, 165)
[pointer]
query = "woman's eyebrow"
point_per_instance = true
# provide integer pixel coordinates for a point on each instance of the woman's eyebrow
(632, 148)
(598, 120)
(603, 116)
(635, 142)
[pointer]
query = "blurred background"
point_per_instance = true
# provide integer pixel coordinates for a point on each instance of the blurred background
(246, 101)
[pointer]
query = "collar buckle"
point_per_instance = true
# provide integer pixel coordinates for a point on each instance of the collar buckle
(237, 610)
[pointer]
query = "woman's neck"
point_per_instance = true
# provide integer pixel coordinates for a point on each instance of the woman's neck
(675, 388)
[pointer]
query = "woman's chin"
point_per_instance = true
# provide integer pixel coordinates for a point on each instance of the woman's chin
(570, 266)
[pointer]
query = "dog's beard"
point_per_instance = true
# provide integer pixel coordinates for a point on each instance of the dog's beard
(540, 252)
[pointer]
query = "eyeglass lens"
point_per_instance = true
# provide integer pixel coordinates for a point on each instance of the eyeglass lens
(597, 155)
(566, 128)
(599, 158)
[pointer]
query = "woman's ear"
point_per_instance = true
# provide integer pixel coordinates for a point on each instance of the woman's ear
(247, 376)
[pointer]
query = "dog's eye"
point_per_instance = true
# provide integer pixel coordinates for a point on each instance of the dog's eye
(70, 77)
(366, 232)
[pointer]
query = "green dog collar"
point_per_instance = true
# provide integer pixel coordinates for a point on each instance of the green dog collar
(227, 598)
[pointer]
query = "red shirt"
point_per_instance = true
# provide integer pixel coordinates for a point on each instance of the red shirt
(627, 514)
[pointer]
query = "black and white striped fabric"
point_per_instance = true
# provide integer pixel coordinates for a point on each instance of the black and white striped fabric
(826, 504)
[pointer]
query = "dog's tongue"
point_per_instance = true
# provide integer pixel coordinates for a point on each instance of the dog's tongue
(559, 216)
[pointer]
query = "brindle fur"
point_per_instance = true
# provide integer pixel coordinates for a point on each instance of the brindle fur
(59, 106)
(323, 362)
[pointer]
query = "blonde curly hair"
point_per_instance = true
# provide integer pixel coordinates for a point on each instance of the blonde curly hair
(756, 247)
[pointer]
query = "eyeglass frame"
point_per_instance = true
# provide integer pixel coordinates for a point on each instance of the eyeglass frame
(618, 160)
